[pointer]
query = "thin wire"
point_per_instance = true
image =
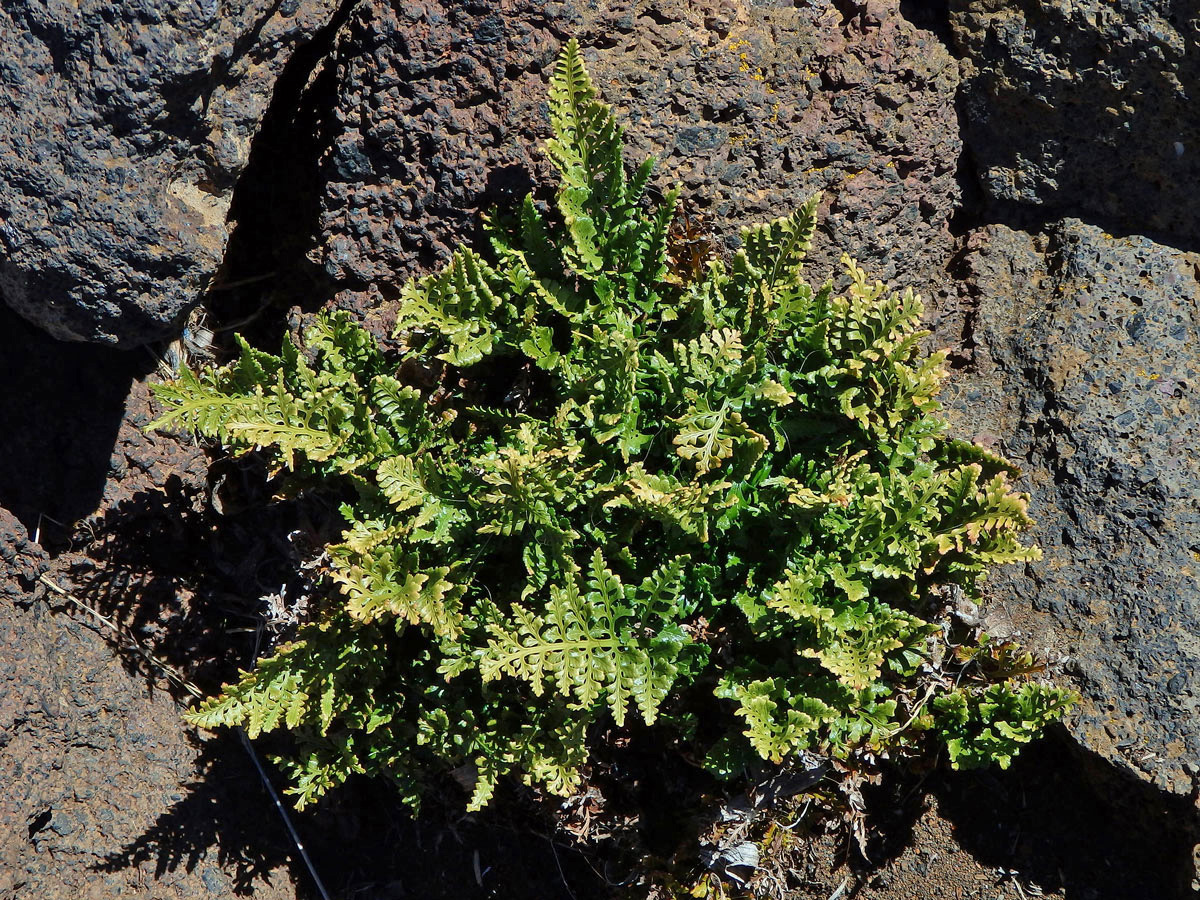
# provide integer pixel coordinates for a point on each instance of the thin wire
(283, 813)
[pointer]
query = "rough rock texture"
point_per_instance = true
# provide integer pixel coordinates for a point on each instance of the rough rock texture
(92, 769)
(1087, 107)
(122, 132)
(439, 111)
(103, 791)
(123, 128)
(22, 558)
(1087, 372)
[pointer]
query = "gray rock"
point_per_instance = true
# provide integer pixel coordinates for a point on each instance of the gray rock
(440, 113)
(1087, 366)
(123, 128)
(23, 560)
(1087, 107)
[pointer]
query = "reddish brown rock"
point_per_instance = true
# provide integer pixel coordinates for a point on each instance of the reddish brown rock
(439, 111)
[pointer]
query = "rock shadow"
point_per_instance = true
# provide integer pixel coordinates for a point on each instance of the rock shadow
(1084, 116)
(1067, 820)
(276, 204)
(60, 412)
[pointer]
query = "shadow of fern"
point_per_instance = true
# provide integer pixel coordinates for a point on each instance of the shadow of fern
(225, 811)
(362, 842)
(188, 582)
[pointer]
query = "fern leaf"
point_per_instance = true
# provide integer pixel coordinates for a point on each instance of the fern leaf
(702, 436)
(586, 147)
(708, 436)
(779, 720)
(690, 506)
(315, 444)
(253, 367)
(400, 409)
(585, 647)
(796, 595)
(457, 304)
(200, 406)
(959, 451)
(660, 592)
(260, 700)
(585, 254)
(343, 348)
(854, 645)
(777, 249)
(387, 585)
(401, 483)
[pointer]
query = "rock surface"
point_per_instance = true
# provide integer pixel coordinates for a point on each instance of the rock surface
(439, 111)
(114, 191)
(1087, 373)
(1087, 107)
(93, 770)
(123, 128)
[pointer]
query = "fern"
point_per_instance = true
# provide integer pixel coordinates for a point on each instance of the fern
(585, 472)
(455, 304)
(586, 645)
(990, 726)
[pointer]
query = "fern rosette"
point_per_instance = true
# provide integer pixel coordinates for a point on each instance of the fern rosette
(619, 479)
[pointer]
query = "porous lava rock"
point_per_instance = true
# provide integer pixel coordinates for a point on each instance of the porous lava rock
(1086, 107)
(22, 560)
(123, 128)
(1087, 374)
(439, 111)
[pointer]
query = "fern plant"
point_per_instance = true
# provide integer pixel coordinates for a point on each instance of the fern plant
(595, 480)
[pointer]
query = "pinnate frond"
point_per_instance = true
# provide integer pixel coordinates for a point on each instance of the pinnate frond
(585, 646)
(389, 583)
(777, 249)
(455, 305)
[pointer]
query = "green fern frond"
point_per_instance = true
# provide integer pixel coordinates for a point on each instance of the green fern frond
(390, 584)
(598, 475)
(585, 647)
(779, 719)
(690, 506)
(455, 304)
(854, 645)
(777, 249)
(797, 594)
(401, 410)
(403, 482)
(990, 726)
(261, 701)
(586, 147)
(709, 436)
